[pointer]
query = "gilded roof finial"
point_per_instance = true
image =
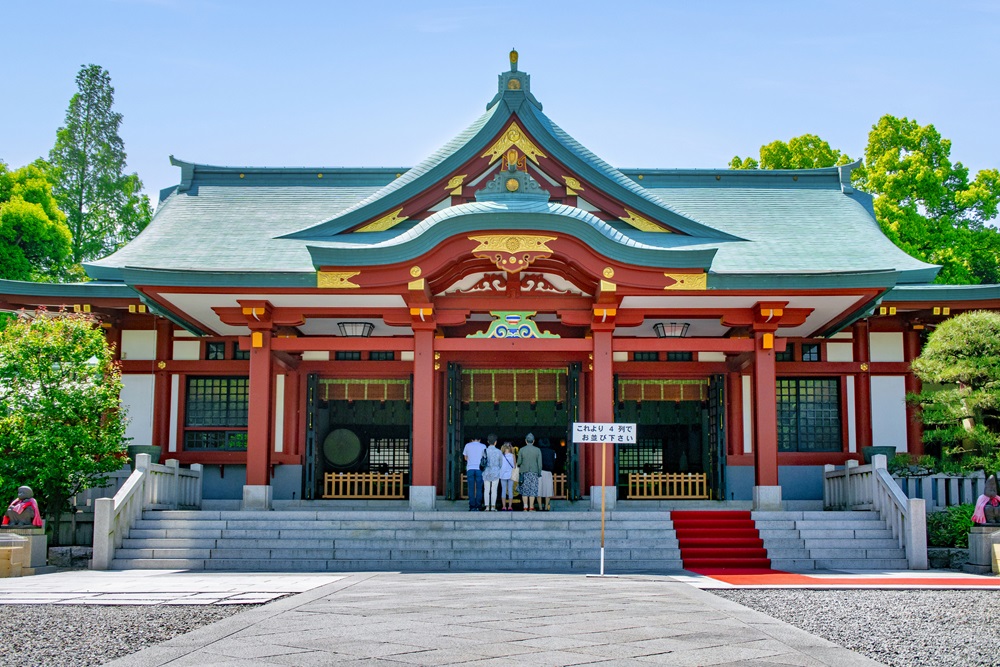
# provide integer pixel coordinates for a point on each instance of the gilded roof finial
(513, 60)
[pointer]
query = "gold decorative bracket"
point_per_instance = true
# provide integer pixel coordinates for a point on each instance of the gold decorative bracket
(336, 279)
(385, 222)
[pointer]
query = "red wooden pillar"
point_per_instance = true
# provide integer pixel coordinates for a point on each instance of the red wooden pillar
(862, 385)
(734, 413)
(161, 385)
(423, 407)
(765, 413)
(603, 388)
(913, 385)
(261, 402)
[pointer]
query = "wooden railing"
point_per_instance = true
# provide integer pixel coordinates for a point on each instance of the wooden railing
(363, 485)
(560, 488)
(150, 486)
(667, 485)
(870, 487)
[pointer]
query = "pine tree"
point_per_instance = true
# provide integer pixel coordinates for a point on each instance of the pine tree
(104, 206)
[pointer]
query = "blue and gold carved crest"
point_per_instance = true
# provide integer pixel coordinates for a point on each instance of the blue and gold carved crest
(512, 324)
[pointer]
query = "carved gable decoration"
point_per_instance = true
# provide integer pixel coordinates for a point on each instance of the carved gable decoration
(510, 252)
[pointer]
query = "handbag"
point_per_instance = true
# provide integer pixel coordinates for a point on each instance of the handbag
(484, 461)
(515, 474)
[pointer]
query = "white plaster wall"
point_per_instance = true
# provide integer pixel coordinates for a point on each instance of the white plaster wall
(279, 414)
(138, 345)
(852, 420)
(839, 352)
(187, 350)
(889, 411)
(137, 399)
(315, 356)
(747, 417)
(175, 390)
(887, 346)
(619, 356)
(711, 356)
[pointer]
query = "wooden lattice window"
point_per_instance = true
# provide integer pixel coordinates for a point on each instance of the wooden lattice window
(215, 413)
(809, 415)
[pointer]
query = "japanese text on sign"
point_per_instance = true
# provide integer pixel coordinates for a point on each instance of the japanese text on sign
(611, 433)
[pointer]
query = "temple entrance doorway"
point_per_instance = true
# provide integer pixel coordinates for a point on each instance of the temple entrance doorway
(512, 402)
(358, 437)
(680, 449)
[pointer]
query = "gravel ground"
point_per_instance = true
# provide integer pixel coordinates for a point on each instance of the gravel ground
(898, 628)
(81, 636)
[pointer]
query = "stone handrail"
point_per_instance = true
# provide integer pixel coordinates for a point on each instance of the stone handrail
(870, 487)
(150, 486)
(942, 491)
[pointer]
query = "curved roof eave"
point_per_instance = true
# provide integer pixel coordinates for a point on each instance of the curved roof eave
(90, 290)
(533, 216)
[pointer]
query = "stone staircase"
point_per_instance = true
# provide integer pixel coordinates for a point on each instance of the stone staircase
(397, 539)
(799, 541)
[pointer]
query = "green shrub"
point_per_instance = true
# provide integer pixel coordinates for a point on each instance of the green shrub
(950, 528)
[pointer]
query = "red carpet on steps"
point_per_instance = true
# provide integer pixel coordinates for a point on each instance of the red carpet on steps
(719, 539)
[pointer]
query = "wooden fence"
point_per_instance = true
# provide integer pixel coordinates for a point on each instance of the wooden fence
(667, 486)
(363, 485)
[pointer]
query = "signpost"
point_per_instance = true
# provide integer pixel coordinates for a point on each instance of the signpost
(593, 433)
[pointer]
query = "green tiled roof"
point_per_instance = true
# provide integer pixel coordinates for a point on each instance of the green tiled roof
(270, 226)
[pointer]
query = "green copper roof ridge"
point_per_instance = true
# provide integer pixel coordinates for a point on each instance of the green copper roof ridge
(633, 194)
(409, 246)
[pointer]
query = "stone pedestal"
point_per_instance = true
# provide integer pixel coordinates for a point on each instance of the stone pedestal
(256, 497)
(37, 545)
(422, 498)
(13, 552)
(610, 498)
(767, 498)
(981, 540)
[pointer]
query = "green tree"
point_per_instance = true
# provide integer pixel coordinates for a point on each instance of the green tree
(62, 428)
(34, 239)
(104, 206)
(927, 205)
(962, 409)
(805, 152)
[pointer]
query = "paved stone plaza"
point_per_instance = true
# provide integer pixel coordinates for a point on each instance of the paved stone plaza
(497, 619)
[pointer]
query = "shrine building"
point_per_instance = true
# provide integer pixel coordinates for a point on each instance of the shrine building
(292, 328)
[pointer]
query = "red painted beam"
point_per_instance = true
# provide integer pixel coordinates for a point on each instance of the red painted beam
(732, 345)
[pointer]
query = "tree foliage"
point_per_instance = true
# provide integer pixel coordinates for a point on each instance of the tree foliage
(62, 428)
(962, 409)
(805, 152)
(927, 205)
(34, 239)
(923, 202)
(104, 206)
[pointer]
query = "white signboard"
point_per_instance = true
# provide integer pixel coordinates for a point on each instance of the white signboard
(587, 432)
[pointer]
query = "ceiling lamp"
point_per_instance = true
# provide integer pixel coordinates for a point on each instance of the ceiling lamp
(671, 329)
(356, 329)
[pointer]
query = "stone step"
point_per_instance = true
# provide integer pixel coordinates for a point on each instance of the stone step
(861, 564)
(788, 554)
(888, 543)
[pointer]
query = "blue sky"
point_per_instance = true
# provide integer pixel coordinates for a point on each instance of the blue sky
(642, 84)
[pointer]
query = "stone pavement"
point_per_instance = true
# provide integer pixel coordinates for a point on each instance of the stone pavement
(392, 619)
(150, 587)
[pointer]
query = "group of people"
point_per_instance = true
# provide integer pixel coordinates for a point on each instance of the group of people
(489, 469)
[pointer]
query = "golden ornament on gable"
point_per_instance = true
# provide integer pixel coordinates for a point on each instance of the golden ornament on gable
(513, 137)
(511, 253)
